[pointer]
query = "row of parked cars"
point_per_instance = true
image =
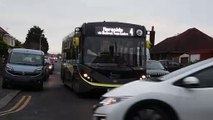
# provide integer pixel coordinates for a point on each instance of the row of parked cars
(184, 94)
(26, 67)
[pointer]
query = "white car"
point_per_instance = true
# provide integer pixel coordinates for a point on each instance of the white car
(185, 94)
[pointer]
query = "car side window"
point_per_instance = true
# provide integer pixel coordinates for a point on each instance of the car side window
(205, 76)
(174, 64)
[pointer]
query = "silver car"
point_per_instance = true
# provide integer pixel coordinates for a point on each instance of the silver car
(155, 69)
(185, 94)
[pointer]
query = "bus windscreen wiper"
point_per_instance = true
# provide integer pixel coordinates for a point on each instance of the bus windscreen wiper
(126, 65)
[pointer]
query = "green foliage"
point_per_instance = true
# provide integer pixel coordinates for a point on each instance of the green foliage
(17, 44)
(34, 34)
(45, 45)
(34, 37)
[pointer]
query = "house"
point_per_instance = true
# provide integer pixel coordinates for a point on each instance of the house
(7, 38)
(2, 32)
(189, 46)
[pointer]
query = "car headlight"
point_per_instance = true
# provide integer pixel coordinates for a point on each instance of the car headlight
(112, 100)
(9, 68)
(38, 70)
(109, 101)
(50, 66)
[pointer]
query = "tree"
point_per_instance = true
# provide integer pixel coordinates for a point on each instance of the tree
(17, 44)
(45, 45)
(36, 40)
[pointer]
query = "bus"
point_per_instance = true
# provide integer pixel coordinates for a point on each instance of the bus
(103, 55)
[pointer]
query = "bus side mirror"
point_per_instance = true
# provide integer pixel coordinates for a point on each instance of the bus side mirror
(76, 42)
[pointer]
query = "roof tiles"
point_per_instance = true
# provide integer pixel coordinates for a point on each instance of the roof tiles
(191, 39)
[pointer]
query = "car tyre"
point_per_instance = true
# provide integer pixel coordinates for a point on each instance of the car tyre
(40, 86)
(76, 86)
(148, 112)
(4, 84)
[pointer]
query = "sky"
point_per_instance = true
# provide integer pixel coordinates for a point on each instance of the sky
(59, 18)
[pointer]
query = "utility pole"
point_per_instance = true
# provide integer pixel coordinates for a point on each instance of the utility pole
(40, 38)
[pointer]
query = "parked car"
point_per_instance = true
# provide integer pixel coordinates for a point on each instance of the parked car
(25, 67)
(155, 68)
(171, 65)
(185, 94)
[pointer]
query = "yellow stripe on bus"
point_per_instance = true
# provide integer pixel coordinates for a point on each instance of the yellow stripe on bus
(101, 84)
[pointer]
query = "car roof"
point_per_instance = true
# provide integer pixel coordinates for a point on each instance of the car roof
(28, 51)
(153, 61)
(165, 60)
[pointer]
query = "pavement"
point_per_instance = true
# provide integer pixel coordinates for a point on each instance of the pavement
(6, 95)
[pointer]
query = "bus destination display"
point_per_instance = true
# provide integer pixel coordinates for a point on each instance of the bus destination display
(116, 31)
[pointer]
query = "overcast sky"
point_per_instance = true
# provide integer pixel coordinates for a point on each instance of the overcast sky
(58, 18)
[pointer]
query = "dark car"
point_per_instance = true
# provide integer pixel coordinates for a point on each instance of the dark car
(171, 65)
(155, 68)
(50, 65)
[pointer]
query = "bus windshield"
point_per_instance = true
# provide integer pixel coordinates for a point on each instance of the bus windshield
(117, 51)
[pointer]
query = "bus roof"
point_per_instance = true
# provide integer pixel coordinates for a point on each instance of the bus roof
(112, 23)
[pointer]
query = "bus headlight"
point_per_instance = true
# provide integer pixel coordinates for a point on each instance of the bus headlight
(143, 77)
(87, 77)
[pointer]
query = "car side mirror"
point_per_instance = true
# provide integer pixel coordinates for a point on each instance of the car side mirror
(166, 66)
(191, 82)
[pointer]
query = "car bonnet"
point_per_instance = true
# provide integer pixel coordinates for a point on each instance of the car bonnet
(133, 88)
(24, 68)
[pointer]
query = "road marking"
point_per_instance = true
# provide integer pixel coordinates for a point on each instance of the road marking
(21, 104)
(16, 105)
(5, 100)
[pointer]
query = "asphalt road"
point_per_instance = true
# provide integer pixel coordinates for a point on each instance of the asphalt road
(55, 102)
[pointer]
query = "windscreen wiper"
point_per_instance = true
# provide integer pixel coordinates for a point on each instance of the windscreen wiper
(125, 65)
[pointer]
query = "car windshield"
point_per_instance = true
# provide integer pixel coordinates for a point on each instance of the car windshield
(154, 65)
(110, 51)
(184, 70)
(25, 59)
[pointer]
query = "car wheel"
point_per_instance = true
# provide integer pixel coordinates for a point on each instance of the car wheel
(148, 112)
(62, 75)
(4, 84)
(40, 86)
(76, 86)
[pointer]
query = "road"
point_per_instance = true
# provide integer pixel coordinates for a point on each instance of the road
(55, 102)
